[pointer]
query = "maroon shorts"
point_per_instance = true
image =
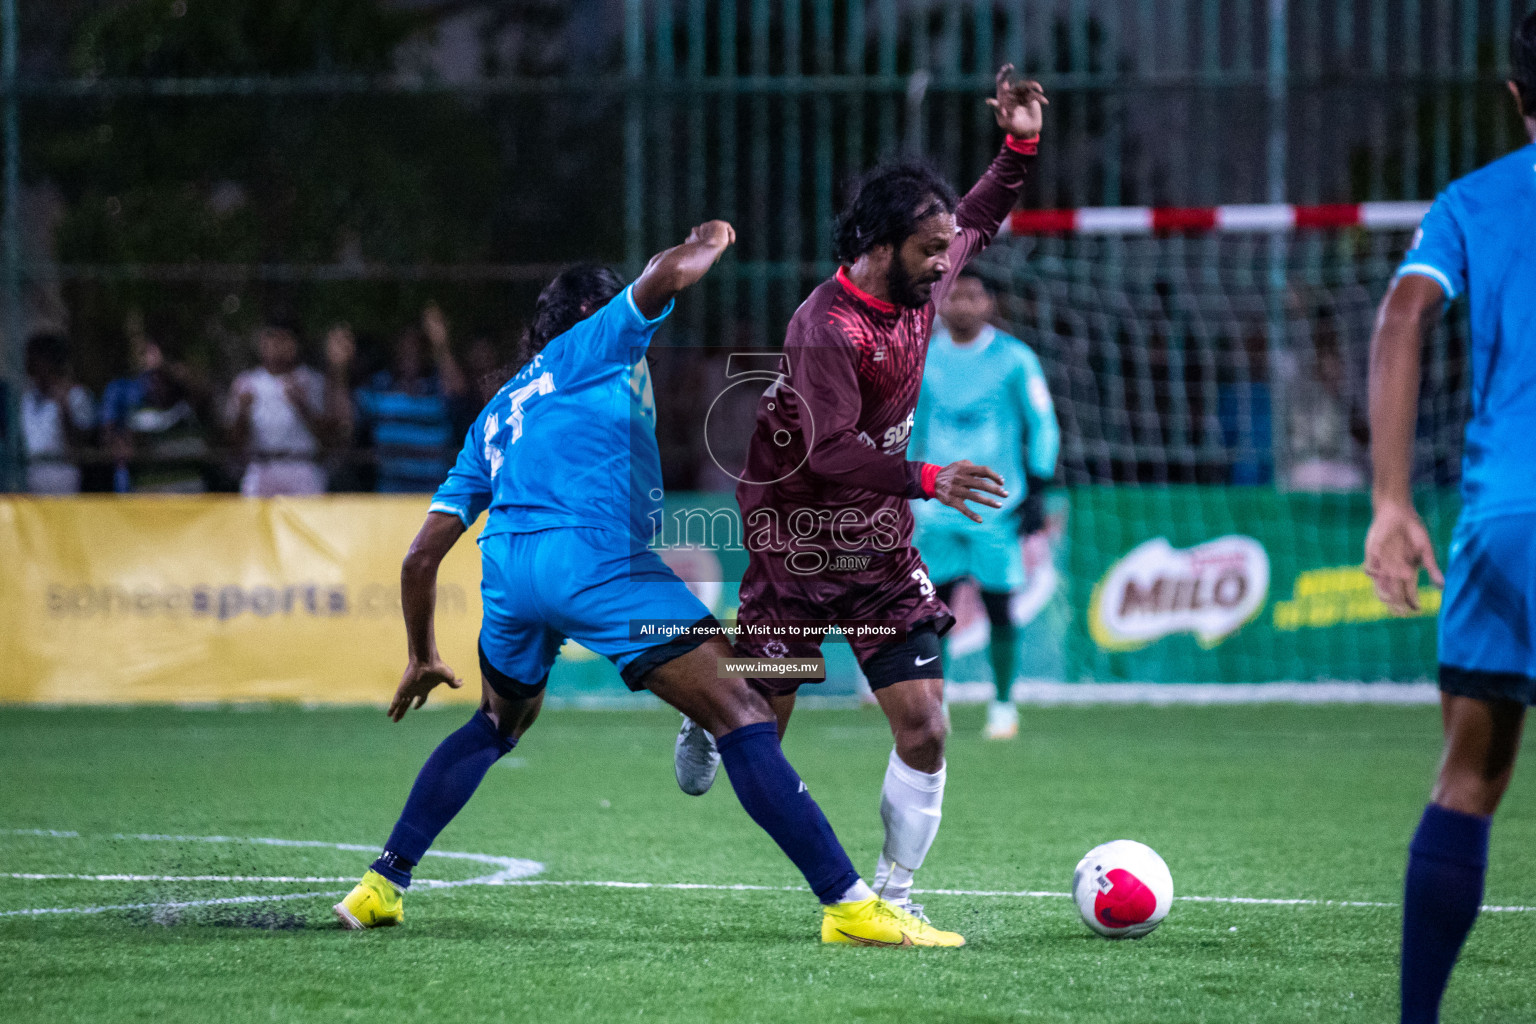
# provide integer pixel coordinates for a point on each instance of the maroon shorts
(876, 605)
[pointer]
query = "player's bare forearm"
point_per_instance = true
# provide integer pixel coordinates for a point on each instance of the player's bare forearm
(1412, 305)
(672, 270)
(1397, 545)
(424, 669)
(418, 581)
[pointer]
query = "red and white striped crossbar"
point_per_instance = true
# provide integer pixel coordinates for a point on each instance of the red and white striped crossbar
(1259, 218)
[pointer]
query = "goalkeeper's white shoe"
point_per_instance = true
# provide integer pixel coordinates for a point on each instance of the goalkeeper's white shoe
(695, 760)
(1002, 720)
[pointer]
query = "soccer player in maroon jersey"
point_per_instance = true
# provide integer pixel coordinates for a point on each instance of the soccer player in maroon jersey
(825, 491)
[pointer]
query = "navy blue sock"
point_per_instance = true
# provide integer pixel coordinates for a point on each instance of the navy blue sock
(1446, 863)
(444, 786)
(774, 797)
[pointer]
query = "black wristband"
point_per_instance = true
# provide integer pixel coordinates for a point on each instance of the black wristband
(1032, 508)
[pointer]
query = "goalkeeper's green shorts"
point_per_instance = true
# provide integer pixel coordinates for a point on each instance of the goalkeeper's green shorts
(989, 553)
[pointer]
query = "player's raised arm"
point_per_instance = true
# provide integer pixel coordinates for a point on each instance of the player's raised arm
(1018, 105)
(1019, 108)
(1397, 543)
(418, 598)
(672, 270)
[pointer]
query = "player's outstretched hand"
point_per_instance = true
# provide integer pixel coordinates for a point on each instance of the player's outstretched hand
(963, 481)
(1395, 547)
(1018, 104)
(672, 270)
(703, 248)
(717, 234)
(417, 682)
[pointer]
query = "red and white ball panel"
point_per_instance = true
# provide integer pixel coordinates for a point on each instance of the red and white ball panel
(1123, 889)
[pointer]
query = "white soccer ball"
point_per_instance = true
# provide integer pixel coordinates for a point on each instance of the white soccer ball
(1123, 889)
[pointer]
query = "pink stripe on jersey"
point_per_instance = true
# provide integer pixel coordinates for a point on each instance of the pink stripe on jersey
(862, 295)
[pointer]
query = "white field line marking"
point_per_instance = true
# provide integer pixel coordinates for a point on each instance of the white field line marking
(515, 871)
(176, 905)
(507, 869)
(1016, 893)
(33, 877)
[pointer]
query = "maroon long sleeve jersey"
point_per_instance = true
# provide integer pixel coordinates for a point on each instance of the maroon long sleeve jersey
(826, 465)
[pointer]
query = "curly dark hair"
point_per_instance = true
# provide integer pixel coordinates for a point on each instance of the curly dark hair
(575, 294)
(888, 204)
(1522, 60)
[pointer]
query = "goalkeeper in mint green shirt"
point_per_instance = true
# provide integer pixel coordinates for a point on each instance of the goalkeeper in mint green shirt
(984, 398)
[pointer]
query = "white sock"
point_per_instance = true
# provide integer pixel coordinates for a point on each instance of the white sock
(911, 804)
(859, 890)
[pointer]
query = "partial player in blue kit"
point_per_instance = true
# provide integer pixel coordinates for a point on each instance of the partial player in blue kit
(1478, 240)
(564, 462)
(565, 459)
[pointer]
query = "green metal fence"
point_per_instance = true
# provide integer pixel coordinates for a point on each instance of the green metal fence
(759, 111)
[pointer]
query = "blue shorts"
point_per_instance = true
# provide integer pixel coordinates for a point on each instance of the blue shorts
(1488, 614)
(989, 553)
(598, 587)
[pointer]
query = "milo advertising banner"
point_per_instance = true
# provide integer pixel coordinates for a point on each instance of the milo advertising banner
(228, 599)
(1236, 584)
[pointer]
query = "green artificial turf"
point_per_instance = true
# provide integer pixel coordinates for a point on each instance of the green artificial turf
(1269, 802)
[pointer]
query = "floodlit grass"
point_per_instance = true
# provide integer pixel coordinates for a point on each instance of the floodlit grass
(1273, 802)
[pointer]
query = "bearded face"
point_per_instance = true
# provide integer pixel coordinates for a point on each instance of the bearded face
(920, 261)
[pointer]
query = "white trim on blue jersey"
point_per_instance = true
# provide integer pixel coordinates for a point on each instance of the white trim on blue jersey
(1434, 273)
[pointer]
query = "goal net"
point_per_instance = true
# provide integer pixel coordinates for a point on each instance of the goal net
(1211, 390)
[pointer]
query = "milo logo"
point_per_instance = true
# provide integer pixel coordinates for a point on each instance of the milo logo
(1210, 590)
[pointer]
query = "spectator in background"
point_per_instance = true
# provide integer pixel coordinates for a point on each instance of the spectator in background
(1328, 431)
(485, 371)
(407, 410)
(154, 424)
(1243, 409)
(280, 413)
(57, 416)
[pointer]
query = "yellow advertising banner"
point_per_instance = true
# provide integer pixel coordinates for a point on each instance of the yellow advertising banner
(197, 599)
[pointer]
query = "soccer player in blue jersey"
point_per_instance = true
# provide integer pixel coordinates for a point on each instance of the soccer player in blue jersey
(564, 459)
(1476, 240)
(984, 398)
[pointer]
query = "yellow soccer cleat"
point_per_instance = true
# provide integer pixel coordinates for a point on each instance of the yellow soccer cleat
(373, 903)
(874, 922)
